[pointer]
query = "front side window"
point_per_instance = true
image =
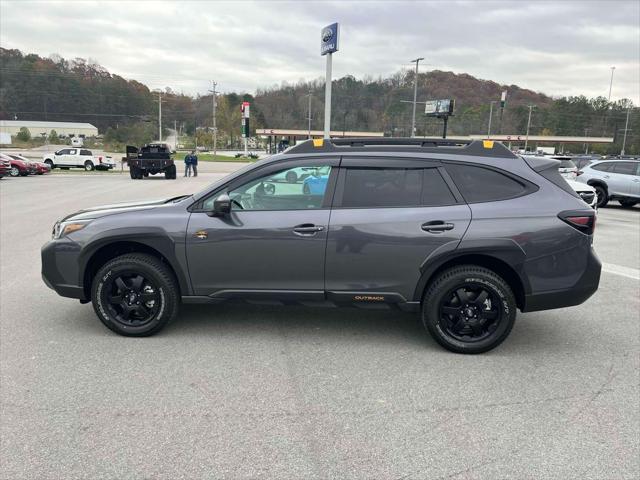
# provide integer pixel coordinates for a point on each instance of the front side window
(64, 151)
(72, 152)
(297, 188)
(382, 187)
(602, 167)
(624, 168)
(477, 184)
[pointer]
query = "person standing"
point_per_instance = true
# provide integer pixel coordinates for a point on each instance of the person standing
(187, 163)
(194, 163)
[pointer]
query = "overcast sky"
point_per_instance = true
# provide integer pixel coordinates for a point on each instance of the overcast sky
(554, 47)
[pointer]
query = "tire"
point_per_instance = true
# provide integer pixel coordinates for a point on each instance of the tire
(170, 173)
(146, 306)
(132, 173)
(603, 195)
(88, 166)
(457, 317)
(14, 172)
(627, 202)
(50, 163)
(291, 177)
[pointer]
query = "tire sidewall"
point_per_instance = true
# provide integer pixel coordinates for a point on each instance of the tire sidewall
(602, 195)
(98, 295)
(507, 309)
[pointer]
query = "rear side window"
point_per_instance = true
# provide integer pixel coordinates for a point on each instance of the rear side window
(85, 152)
(382, 187)
(625, 168)
(478, 184)
(602, 167)
(434, 189)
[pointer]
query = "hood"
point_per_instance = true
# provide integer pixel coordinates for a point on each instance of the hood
(115, 208)
(580, 187)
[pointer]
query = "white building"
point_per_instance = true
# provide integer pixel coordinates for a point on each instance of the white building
(12, 127)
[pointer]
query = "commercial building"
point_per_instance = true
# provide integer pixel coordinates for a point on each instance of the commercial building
(36, 128)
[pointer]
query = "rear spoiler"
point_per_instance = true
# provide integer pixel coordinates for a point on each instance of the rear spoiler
(539, 164)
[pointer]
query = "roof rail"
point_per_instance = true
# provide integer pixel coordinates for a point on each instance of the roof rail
(485, 148)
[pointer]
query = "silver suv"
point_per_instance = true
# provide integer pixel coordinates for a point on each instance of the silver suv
(613, 180)
(465, 233)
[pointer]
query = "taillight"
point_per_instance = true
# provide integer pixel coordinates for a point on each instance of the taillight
(99, 159)
(582, 220)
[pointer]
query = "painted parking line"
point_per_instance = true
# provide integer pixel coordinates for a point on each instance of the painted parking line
(628, 272)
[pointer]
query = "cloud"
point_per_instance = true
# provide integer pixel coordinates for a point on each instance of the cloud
(556, 47)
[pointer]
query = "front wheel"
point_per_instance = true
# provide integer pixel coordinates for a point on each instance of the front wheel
(603, 196)
(14, 172)
(50, 163)
(469, 309)
(135, 295)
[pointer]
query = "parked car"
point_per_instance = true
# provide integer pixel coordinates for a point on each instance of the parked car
(150, 159)
(78, 157)
(613, 180)
(5, 166)
(566, 168)
(37, 168)
(19, 168)
(586, 192)
(464, 232)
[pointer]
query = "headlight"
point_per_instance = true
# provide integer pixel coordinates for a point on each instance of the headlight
(60, 229)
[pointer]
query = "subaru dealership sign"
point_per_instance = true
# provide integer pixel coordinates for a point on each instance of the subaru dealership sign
(329, 39)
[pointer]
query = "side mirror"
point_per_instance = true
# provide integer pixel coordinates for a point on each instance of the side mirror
(222, 205)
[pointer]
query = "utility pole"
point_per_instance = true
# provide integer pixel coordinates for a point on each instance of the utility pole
(159, 116)
(626, 129)
(415, 97)
(309, 113)
(613, 69)
(215, 128)
(490, 117)
(175, 129)
(526, 142)
(586, 145)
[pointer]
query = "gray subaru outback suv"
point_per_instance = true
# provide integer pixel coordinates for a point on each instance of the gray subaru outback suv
(465, 233)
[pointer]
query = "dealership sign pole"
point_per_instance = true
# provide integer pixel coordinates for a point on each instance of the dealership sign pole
(328, 45)
(245, 126)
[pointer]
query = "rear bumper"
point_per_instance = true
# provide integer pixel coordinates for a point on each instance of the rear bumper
(579, 293)
(60, 268)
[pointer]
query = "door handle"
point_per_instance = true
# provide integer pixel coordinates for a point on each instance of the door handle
(307, 229)
(437, 226)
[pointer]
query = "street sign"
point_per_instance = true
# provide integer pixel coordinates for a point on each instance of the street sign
(329, 39)
(245, 109)
(439, 108)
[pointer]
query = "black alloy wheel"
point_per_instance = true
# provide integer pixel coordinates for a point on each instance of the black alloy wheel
(131, 299)
(470, 312)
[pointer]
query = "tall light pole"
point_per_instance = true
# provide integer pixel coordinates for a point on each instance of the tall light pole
(526, 142)
(613, 69)
(415, 97)
(490, 117)
(159, 116)
(626, 129)
(309, 113)
(215, 128)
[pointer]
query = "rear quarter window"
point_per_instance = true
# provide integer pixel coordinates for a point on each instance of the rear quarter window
(602, 167)
(480, 184)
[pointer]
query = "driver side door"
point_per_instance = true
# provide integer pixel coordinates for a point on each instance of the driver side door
(272, 243)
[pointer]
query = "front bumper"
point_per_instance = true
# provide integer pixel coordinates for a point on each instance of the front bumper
(60, 270)
(569, 297)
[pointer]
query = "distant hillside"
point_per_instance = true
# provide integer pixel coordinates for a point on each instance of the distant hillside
(37, 88)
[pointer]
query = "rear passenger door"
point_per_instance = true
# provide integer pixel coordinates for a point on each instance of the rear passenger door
(622, 179)
(388, 216)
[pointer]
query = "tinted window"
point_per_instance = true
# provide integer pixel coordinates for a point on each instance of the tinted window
(479, 184)
(297, 188)
(85, 152)
(625, 168)
(382, 187)
(602, 167)
(64, 151)
(434, 190)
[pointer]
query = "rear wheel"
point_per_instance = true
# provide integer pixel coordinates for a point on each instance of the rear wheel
(627, 202)
(135, 295)
(170, 173)
(469, 309)
(603, 195)
(14, 172)
(88, 166)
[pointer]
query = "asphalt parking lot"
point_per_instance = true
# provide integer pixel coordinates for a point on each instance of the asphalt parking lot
(239, 392)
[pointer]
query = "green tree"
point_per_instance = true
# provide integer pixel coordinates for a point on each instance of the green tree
(24, 135)
(53, 137)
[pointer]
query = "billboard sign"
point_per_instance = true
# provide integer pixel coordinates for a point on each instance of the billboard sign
(329, 39)
(439, 108)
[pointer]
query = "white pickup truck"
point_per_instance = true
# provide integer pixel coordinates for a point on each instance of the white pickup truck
(78, 157)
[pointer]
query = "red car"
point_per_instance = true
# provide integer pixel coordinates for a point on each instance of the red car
(5, 167)
(38, 168)
(19, 168)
